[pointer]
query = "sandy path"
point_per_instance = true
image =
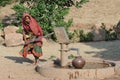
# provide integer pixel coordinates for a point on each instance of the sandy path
(14, 67)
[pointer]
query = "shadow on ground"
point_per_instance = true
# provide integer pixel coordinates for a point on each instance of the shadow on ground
(110, 50)
(19, 59)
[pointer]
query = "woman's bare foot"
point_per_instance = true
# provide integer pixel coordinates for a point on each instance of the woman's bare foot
(36, 62)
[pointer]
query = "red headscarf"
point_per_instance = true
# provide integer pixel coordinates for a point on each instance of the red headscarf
(35, 28)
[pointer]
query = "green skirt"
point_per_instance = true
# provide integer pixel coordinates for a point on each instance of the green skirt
(31, 49)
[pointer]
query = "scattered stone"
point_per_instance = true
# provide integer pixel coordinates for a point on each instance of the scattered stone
(98, 33)
(1, 40)
(10, 29)
(13, 39)
(1, 37)
(1, 33)
(11, 76)
(117, 30)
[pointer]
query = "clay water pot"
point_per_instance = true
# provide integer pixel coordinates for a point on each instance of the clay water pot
(78, 62)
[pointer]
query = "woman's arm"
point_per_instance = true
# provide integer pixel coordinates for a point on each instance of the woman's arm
(25, 38)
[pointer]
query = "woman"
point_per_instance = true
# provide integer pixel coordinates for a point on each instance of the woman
(32, 35)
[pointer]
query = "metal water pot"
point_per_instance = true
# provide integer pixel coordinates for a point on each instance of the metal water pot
(78, 62)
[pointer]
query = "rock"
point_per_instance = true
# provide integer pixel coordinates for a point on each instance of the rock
(10, 29)
(1, 33)
(117, 69)
(98, 33)
(1, 40)
(13, 39)
(11, 76)
(117, 30)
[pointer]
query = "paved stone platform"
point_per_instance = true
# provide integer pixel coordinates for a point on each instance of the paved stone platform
(48, 70)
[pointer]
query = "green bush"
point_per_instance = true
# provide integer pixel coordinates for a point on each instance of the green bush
(20, 9)
(19, 30)
(4, 2)
(71, 56)
(85, 37)
(110, 34)
(75, 36)
(1, 25)
(49, 13)
(80, 3)
(80, 36)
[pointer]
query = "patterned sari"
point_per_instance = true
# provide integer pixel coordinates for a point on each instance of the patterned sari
(33, 31)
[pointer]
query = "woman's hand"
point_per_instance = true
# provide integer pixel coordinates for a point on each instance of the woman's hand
(24, 36)
(27, 42)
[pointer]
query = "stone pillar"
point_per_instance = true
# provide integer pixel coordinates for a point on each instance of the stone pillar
(63, 54)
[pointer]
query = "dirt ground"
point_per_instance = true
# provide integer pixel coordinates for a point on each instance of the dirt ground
(15, 67)
(93, 12)
(96, 12)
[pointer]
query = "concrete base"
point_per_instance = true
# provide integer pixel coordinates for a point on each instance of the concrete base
(48, 70)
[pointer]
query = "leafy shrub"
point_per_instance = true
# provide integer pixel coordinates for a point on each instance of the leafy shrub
(71, 56)
(80, 3)
(75, 36)
(85, 37)
(110, 34)
(20, 9)
(4, 2)
(19, 30)
(52, 57)
(1, 25)
(49, 13)
(80, 36)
